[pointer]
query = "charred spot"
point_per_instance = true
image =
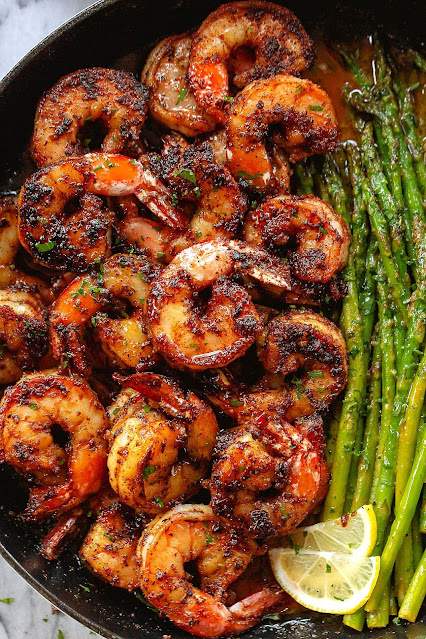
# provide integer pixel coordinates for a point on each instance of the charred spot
(62, 127)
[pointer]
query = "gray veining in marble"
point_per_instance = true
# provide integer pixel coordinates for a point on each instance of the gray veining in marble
(23, 23)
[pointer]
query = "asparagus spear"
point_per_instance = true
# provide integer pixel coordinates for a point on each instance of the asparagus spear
(400, 526)
(353, 329)
(415, 594)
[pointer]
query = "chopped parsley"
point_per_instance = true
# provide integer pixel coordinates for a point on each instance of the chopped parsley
(327, 568)
(181, 96)
(47, 246)
(147, 408)
(235, 403)
(248, 176)
(315, 107)
(159, 501)
(186, 174)
(148, 470)
(8, 600)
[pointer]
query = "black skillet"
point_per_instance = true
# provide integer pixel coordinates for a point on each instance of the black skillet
(119, 33)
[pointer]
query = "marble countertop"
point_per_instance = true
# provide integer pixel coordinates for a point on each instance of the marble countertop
(23, 23)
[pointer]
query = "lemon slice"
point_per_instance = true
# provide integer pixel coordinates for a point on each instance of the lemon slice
(326, 567)
(353, 534)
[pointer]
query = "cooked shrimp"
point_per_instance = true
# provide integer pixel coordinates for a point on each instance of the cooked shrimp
(218, 142)
(161, 442)
(110, 98)
(124, 339)
(157, 241)
(171, 101)
(280, 43)
(197, 337)
(267, 476)
(192, 533)
(307, 120)
(9, 241)
(29, 413)
(191, 171)
(23, 334)
(62, 221)
(109, 548)
(321, 234)
(304, 340)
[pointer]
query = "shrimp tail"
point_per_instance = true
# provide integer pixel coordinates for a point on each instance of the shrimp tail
(45, 501)
(157, 388)
(266, 601)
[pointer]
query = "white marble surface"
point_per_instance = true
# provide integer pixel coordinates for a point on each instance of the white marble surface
(23, 23)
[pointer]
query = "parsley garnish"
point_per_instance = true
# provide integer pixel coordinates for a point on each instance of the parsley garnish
(315, 107)
(248, 176)
(148, 470)
(43, 248)
(187, 174)
(182, 94)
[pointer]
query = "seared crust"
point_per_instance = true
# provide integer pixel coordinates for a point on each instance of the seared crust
(78, 236)
(280, 43)
(114, 97)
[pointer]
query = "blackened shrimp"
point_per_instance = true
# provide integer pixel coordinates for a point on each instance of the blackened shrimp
(161, 442)
(195, 335)
(64, 224)
(171, 102)
(109, 548)
(320, 233)
(23, 334)
(307, 125)
(277, 38)
(80, 101)
(68, 474)
(310, 345)
(192, 173)
(192, 533)
(123, 338)
(268, 476)
(9, 241)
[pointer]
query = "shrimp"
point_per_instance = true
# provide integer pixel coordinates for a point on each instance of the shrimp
(195, 336)
(321, 234)
(109, 548)
(192, 533)
(161, 442)
(80, 102)
(280, 43)
(308, 126)
(307, 341)
(23, 334)
(9, 241)
(64, 224)
(123, 339)
(30, 412)
(171, 102)
(158, 242)
(191, 171)
(267, 475)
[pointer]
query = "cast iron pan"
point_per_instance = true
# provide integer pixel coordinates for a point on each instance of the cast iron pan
(119, 33)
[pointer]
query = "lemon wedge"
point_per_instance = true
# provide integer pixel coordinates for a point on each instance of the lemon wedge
(326, 567)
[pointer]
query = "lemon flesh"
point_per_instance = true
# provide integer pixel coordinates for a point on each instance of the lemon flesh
(326, 567)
